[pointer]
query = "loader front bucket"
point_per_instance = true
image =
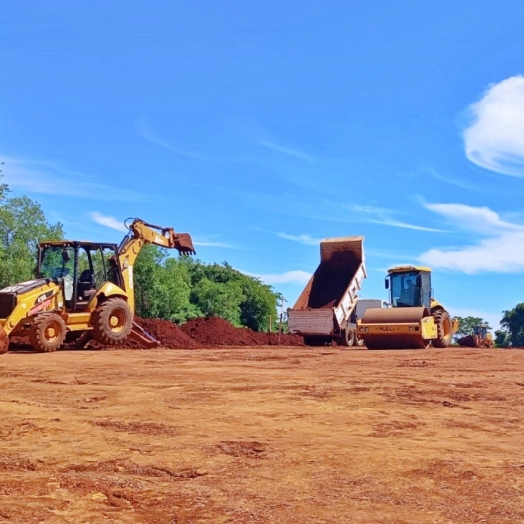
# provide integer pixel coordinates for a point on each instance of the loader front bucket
(4, 341)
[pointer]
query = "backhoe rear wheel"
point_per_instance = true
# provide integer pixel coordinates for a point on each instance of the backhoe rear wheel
(47, 332)
(4, 341)
(112, 321)
(444, 334)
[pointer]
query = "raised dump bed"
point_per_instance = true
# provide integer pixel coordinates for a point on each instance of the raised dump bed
(323, 309)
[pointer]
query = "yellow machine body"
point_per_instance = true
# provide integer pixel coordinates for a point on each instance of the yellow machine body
(413, 321)
(52, 306)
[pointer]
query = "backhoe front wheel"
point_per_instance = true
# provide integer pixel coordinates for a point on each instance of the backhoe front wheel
(444, 332)
(47, 332)
(112, 322)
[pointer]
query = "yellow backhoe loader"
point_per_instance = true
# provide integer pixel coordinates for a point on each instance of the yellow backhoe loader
(480, 337)
(82, 290)
(414, 320)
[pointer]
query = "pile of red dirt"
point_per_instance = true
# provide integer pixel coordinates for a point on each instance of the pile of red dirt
(168, 334)
(195, 333)
(215, 331)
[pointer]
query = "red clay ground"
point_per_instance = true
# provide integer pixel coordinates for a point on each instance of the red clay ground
(262, 435)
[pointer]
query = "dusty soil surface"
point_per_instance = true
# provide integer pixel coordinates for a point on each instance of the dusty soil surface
(262, 435)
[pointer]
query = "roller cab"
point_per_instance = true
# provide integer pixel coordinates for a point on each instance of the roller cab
(414, 320)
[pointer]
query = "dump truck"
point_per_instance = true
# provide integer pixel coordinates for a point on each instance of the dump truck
(323, 311)
(414, 320)
(83, 290)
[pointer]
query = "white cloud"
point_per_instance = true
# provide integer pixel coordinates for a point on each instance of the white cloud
(380, 215)
(109, 222)
(203, 243)
(151, 137)
(286, 150)
(41, 177)
(495, 138)
(501, 251)
(289, 277)
(301, 239)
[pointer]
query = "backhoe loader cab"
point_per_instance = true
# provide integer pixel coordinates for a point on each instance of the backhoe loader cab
(78, 268)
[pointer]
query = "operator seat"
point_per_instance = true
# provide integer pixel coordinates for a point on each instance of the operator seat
(86, 284)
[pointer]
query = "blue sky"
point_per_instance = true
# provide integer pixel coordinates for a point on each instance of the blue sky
(262, 127)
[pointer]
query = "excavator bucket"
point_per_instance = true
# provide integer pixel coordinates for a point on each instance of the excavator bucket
(141, 336)
(394, 328)
(184, 244)
(4, 341)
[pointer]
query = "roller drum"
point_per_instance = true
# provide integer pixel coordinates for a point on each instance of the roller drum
(394, 317)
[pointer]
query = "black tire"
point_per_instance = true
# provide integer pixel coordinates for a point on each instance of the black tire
(112, 321)
(47, 332)
(444, 334)
(347, 338)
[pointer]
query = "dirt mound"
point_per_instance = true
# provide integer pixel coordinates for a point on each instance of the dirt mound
(215, 331)
(168, 334)
(195, 333)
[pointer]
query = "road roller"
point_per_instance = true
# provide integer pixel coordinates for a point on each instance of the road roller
(414, 319)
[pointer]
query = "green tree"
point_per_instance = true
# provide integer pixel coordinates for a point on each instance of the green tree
(501, 338)
(162, 287)
(216, 299)
(22, 226)
(513, 323)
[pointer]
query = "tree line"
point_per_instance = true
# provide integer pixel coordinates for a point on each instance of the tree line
(178, 289)
(175, 289)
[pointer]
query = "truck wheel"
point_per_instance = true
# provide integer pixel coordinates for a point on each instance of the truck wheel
(348, 337)
(47, 332)
(359, 341)
(112, 321)
(444, 334)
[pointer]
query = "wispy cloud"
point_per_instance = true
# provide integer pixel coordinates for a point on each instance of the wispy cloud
(108, 221)
(286, 150)
(204, 243)
(501, 249)
(146, 133)
(380, 215)
(289, 277)
(40, 177)
(495, 138)
(301, 239)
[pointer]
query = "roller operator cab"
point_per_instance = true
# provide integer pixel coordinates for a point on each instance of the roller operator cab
(414, 320)
(409, 286)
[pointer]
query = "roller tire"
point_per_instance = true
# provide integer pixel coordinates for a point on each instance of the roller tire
(112, 322)
(444, 334)
(47, 332)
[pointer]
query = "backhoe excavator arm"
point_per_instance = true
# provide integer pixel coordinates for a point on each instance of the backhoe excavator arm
(140, 233)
